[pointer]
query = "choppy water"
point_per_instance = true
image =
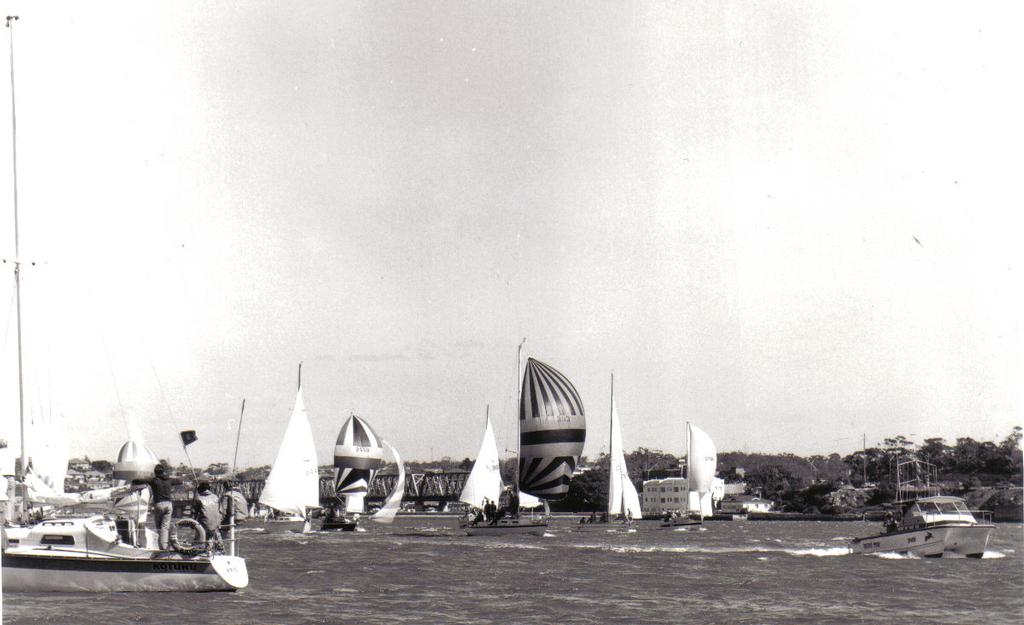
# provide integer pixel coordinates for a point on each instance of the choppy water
(421, 570)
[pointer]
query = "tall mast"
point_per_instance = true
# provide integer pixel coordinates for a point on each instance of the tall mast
(238, 437)
(865, 458)
(611, 408)
(17, 262)
(519, 407)
(689, 465)
(611, 435)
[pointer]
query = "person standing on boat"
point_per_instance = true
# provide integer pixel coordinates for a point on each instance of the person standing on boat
(207, 512)
(163, 504)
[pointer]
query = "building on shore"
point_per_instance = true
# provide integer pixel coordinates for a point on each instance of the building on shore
(744, 504)
(672, 494)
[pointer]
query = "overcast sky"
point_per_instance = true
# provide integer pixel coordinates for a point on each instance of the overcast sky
(794, 224)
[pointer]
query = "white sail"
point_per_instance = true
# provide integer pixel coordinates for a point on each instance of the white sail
(49, 454)
(484, 481)
(387, 513)
(622, 496)
(41, 493)
(294, 483)
(702, 458)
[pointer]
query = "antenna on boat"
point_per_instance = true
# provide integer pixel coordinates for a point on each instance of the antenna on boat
(17, 269)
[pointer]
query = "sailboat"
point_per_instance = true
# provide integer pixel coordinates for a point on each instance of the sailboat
(623, 500)
(293, 486)
(358, 454)
(552, 431)
(702, 459)
(91, 553)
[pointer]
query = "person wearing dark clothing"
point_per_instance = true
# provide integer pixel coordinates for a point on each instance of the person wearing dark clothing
(513, 504)
(207, 513)
(163, 504)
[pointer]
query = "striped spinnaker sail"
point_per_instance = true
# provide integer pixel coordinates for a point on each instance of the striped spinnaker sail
(135, 461)
(358, 454)
(552, 430)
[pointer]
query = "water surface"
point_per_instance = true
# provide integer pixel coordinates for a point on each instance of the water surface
(422, 570)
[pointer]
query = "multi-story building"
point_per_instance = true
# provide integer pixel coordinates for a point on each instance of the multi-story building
(671, 494)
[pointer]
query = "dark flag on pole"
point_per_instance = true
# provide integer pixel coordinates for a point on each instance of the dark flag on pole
(188, 437)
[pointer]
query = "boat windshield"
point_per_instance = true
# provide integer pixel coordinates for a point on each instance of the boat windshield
(943, 507)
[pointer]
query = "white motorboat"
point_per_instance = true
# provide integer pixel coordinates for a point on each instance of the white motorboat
(930, 527)
(926, 524)
(91, 554)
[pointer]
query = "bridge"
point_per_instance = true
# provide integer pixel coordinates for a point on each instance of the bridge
(426, 489)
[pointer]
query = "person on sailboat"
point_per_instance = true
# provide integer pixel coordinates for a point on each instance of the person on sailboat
(513, 503)
(233, 501)
(207, 512)
(163, 504)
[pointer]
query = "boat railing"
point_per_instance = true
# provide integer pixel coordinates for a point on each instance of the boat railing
(984, 516)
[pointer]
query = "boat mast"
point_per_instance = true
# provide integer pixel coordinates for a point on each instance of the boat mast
(238, 437)
(519, 408)
(17, 266)
(611, 434)
(689, 466)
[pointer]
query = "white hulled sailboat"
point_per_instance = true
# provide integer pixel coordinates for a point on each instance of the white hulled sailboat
(93, 553)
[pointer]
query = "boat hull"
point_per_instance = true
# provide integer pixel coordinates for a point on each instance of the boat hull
(508, 528)
(29, 572)
(681, 522)
(946, 541)
(338, 526)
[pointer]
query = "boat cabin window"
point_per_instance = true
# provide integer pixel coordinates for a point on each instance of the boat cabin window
(952, 507)
(57, 539)
(929, 507)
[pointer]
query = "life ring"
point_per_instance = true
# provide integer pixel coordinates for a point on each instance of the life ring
(198, 544)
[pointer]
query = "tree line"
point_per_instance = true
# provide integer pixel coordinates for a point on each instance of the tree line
(798, 483)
